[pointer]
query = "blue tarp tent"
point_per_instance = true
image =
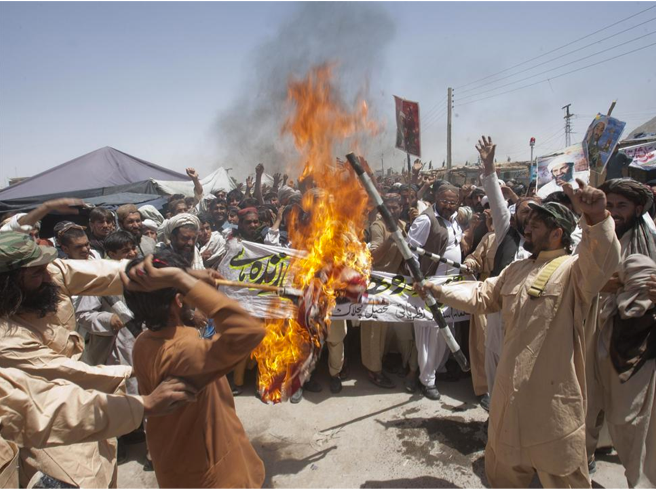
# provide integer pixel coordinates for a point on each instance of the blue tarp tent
(102, 172)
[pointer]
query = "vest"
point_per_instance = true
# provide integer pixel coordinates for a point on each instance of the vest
(506, 251)
(438, 239)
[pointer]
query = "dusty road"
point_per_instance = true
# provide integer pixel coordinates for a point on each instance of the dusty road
(368, 437)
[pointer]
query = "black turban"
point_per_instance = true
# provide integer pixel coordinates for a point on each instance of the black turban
(630, 189)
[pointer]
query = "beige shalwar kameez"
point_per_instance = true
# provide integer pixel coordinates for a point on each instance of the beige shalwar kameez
(43, 413)
(48, 348)
(537, 412)
(629, 408)
(481, 261)
(386, 257)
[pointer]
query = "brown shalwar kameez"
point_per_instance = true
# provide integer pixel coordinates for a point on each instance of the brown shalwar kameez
(203, 444)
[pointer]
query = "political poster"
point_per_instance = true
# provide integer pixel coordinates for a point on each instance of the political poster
(562, 167)
(408, 134)
(600, 140)
(390, 297)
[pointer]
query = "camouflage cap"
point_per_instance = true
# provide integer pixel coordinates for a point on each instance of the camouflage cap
(18, 250)
(563, 216)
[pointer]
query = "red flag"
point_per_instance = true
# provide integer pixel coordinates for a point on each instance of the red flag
(408, 136)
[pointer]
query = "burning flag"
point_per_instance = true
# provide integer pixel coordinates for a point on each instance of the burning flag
(329, 228)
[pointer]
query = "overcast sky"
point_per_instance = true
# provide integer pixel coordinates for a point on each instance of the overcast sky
(165, 81)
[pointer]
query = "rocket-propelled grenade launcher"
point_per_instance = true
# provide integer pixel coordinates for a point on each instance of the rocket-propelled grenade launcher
(441, 259)
(409, 259)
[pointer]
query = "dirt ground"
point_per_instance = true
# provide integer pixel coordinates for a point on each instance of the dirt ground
(368, 437)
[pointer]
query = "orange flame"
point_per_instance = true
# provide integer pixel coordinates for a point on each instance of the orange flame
(330, 229)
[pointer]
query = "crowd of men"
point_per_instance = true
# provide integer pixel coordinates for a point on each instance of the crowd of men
(113, 329)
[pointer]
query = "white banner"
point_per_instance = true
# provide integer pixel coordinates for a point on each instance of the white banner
(264, 264)
(639, 150)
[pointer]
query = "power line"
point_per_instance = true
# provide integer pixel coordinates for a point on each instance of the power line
(555, 135)
(561, 75)
(558, 48)
(520, 149)
(436, 106)
(436, 115)
(561, 66)
(432, 123)
(431, 120)
(558, 57)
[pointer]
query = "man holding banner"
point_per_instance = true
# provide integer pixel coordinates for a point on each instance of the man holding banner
(387, 258)
(438, 232)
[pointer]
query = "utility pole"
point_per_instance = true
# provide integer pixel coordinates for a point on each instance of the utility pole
(568, 126)
(382, 165)
(448, 129)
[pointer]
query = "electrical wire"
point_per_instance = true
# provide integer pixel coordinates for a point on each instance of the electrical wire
(559, 48)
(559, 76)
(519, 149)
(556, 58)
(434, 121)
(561, 66)
(435, 118)
(436, 107)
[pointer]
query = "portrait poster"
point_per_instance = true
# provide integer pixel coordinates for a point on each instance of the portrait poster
(600, 140)
(564, 166)
(408, 135)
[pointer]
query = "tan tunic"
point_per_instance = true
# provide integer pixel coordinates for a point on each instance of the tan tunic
(47, 347)
(538, 402)
(8, 463)
(202, 444)
(384, 251)
(480, 261)
(38, 413)
(35, 413)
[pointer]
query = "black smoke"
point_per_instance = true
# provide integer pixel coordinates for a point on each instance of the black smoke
(353, 36)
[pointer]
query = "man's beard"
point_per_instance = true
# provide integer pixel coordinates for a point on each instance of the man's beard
(566, 178)
(187, 254)
(42, 301)
(625, 226)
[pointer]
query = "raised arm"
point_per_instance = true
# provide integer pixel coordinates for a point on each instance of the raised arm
(599, 252)
(198, 360)
(428, 181)
(88, 277)
(259, 170)
(25, 222)
(198, 188)
(500, 212)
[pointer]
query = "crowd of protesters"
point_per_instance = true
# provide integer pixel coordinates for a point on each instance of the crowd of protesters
(116, 323)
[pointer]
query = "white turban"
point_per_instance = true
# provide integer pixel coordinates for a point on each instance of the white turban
(559, 160)
(150, 212)
(150, 224)
(178, 221)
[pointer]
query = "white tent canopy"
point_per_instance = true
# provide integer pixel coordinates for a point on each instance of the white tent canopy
(215, 181)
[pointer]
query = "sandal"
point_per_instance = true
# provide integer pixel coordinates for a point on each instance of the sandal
(381, 380)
